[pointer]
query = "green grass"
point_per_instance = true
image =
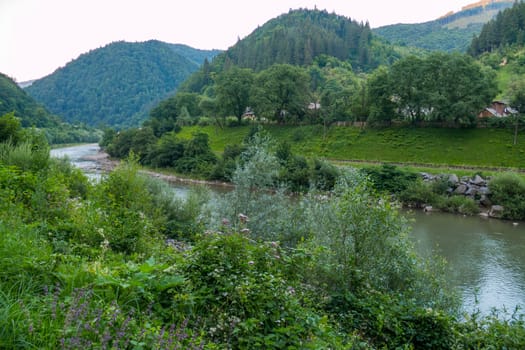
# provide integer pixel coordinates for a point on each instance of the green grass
(484, 148)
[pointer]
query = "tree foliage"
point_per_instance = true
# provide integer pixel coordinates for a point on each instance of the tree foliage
(233, 89)
(282, 92)
(446, 88)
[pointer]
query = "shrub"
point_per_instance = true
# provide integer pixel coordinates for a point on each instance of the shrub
(389, 178)
(324, 175)
(245, 301)
(418, 194)
(459, 204)
(508, 190)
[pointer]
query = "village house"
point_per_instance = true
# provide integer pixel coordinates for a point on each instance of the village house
(497, 109)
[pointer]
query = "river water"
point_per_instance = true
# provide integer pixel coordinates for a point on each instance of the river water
(486, 257)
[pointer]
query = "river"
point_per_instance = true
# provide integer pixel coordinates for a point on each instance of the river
(486, 257)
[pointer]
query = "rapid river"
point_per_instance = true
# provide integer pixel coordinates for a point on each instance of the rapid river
(486, 257)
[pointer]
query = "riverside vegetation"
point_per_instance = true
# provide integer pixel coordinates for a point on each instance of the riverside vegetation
(122, 263)
(193, 151)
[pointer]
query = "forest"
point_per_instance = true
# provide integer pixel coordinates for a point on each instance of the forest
(116, 85)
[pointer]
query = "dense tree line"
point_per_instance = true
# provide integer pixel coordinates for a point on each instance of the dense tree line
(508, 28)
(117, 84)
(447, 89)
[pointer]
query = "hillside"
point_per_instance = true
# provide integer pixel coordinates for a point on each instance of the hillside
(506, 30)
(14, 99)
(452, 32)
(301, 35)
(297, 38)
(117, 84)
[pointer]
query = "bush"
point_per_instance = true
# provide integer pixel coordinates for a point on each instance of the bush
(418, 194)
(324, 175)
(458, 204)
(390, 179)
(508, 190)
(246, 303)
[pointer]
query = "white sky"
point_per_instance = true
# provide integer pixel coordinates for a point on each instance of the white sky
(39, 36)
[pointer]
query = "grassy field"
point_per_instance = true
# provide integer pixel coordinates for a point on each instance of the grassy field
(423, 146)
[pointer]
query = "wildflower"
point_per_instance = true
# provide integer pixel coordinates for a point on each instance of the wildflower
(226, 222)
(243, 218)
(250, 262)
(245, 231)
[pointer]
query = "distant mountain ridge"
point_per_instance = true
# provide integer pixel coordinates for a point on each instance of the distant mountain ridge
(451, 32)
(117, 84)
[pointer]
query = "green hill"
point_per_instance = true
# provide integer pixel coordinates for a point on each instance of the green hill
(14, 99)
(301, 35)
(117, 84)
(298, 38)
(453, 32)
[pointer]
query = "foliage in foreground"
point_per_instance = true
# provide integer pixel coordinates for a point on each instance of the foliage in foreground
(123, 264)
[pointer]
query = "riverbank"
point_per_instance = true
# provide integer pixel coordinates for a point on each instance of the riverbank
(464, 187)
(105, 163)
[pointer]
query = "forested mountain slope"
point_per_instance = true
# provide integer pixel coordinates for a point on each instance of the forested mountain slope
(117, 84)
(297, 38)
(507, 29)
(14, 99)
(452, 32)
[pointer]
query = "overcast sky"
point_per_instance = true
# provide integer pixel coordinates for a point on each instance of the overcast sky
(39, 36)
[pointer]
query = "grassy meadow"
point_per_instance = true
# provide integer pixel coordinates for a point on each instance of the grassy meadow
(476, 148)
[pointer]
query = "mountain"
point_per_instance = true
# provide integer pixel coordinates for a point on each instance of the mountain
(14, 99)
(506, 30)
(118, 83)
(197, 56)
(297, 38)
(452, 32)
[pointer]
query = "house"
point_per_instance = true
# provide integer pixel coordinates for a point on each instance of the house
(313, 106)
(497, 109)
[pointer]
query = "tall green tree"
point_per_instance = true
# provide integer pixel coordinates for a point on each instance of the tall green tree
(516, 95)
(232, 89)
(382, 108)
(282, 92)
(448, 88)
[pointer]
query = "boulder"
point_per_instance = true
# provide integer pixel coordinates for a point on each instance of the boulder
(428, 209)
(453, 179)
(461, 189)
(472, 191)
(496, 211)
(478, 180)
(484, 190)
